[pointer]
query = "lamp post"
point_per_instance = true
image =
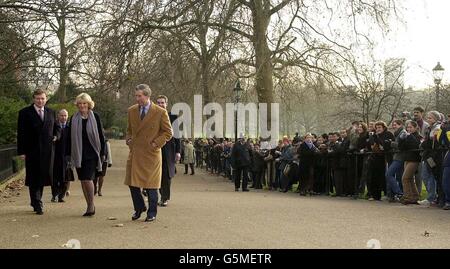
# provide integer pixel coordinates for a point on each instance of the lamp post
(237, 94)
(438, 74)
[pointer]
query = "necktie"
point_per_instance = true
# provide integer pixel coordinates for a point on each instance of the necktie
(143, 113)
(41, 114)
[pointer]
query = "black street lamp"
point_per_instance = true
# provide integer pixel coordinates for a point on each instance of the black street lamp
(237, 94)
(438, 74)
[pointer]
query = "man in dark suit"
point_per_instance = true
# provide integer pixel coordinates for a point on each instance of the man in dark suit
(171, 153)
(35, 137)
(240, 161)
(62, 173)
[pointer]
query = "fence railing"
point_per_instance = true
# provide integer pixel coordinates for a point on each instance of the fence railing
(8, 166)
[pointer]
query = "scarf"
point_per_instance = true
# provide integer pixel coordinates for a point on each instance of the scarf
(77, 140)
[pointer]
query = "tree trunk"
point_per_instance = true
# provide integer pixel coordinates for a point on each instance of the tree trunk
(264, 69)
(63, 72)
(205, 65)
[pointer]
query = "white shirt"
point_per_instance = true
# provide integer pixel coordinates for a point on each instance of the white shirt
(40, 109)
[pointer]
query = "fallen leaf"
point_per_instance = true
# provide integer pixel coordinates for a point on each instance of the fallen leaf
(112, 218)
(118, 225)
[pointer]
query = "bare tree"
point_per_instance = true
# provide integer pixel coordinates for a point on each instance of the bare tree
(59, 23)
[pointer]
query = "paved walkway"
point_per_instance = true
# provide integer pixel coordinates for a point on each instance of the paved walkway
(206, 212)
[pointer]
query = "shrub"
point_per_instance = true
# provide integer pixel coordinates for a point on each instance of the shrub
(9, 112)
(70, 107)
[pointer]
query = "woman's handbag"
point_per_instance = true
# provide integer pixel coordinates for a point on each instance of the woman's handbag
(287, 169)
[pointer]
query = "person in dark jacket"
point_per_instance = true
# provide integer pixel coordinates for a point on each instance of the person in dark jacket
(444, 139)
(432, 161)
(240, 161)
(62, 173)
(198, 153)
(320, 167)
(35, 136)
(227, 155)
(336, 171)
(100, 176)
(379, 143)
(171, 153)
(363, 158)
(276, 153)
(258, 167)
(352, 161)
(409, 143)
(306, 152)
(296, 140)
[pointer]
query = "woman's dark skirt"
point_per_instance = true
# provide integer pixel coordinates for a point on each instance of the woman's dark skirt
(88, 170)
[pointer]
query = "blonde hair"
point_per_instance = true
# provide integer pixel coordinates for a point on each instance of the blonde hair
(84, 97)
(435, 114)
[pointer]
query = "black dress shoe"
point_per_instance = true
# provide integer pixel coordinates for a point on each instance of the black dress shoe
(39, 211)
(137, 214)
(150, 219)
(61, 200)
(245, 190)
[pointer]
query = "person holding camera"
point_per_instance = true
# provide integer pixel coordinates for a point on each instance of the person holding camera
(275, 154)
(395, 170)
